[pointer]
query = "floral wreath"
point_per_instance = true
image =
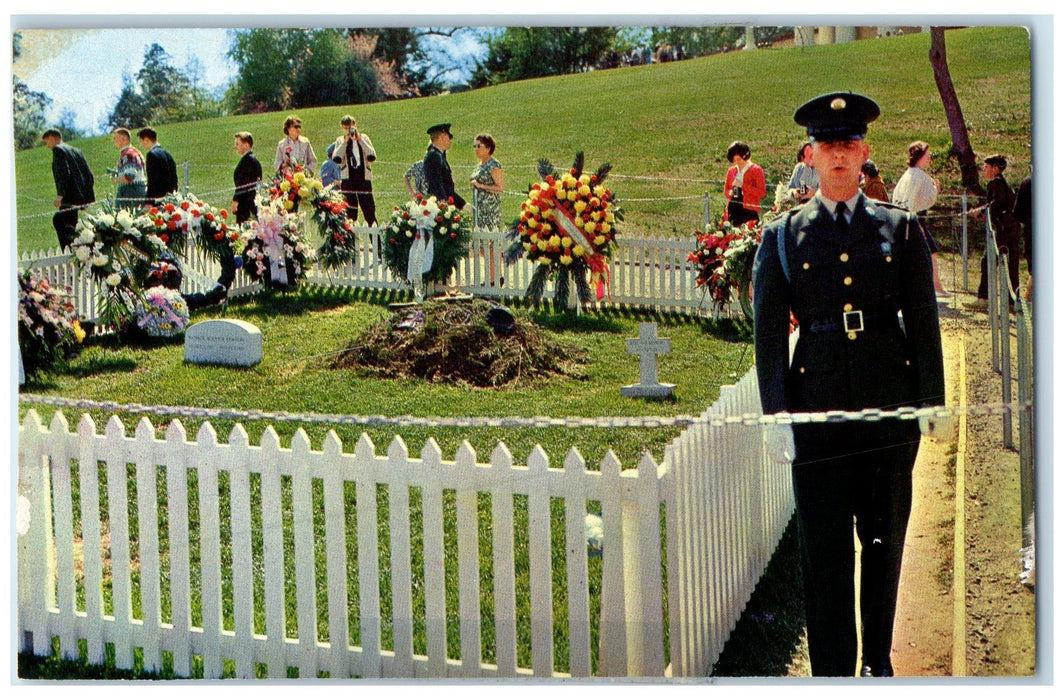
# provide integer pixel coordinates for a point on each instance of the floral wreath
(725, 258)
(176, 217)
(118, 253)
(339, 240)
(427, 235)
(567, 228)
(48, 324)
(273, 249)
(163, 312)
(292, 185)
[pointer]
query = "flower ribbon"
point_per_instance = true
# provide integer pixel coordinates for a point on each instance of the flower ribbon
(273, 245)
(420, 258)
(600, 269)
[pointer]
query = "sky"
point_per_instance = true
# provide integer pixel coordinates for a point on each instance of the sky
(82, 70)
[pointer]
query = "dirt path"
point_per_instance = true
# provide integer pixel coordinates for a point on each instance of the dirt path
(996, 615)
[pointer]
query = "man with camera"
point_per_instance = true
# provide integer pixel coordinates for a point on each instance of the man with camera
(356, 170)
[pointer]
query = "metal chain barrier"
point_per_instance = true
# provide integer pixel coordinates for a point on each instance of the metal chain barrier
(750, 419)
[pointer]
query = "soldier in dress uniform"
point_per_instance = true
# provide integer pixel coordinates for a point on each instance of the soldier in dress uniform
(856, 273)
(438, 179)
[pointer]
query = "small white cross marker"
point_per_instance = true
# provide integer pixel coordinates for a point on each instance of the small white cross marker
(648, 346)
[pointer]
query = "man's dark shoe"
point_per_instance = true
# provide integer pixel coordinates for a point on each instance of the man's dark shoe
(878, 670)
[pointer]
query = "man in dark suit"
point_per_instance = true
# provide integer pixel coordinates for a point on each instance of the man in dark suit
(246, 178)
(438, 179)
(159, 166)
(856, 273)
(73, 185)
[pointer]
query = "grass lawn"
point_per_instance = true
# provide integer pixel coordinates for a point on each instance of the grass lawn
(664, 127)
(302, 332)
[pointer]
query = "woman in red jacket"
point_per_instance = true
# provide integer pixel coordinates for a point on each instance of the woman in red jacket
(744, 187)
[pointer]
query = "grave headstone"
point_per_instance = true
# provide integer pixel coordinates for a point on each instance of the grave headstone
(648, 346)
(223, 342)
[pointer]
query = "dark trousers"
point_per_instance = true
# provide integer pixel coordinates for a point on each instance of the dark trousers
(359, 193)
(1009, 242)
(64, 222)
(838, 481)
(739, 215)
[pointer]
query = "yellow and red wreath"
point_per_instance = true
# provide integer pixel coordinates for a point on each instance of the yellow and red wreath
(568, 226)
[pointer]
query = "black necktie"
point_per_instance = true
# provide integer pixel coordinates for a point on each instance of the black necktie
(841, 224)
(350, 153)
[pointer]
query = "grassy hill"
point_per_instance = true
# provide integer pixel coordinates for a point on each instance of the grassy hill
(665, 127)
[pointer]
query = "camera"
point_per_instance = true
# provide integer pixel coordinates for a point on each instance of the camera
(353, 131)
(737, 193)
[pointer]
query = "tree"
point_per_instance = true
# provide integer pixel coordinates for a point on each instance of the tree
(332, 73)
(532, 52)
(28, 106)
(962, 147)
(160, 93)
(402, 55)
(28, 114)
(266, 60)
(66, 125)
(285, 68)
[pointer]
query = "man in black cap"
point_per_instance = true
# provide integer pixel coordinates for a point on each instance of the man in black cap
(73, 185)
(856, 273)
(438, 180)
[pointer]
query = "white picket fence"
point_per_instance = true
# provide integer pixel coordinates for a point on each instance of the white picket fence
(92, 571)
(651, 272)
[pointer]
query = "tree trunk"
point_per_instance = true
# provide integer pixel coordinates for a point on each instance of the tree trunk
(962, 149)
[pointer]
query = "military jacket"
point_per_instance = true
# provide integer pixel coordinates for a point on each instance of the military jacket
(865, 303)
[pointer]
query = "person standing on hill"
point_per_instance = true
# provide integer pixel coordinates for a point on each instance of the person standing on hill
(856, 274)
(744, 186)
(917, 192)
(159, 166)
(804, 180)
(294, 149)
(246, 178)
(438, 179)
(356, 170)
(487, 183)
(130, 178)
(999, 203)
(73, 185)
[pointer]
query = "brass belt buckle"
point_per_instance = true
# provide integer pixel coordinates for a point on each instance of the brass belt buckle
(853, 321)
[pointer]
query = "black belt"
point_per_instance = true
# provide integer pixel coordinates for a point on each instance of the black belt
(852, 322)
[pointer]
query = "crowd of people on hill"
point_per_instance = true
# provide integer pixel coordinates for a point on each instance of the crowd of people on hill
(915, 191)
(145, 176)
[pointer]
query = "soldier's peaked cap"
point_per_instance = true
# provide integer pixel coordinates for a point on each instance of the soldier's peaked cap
(837, 116)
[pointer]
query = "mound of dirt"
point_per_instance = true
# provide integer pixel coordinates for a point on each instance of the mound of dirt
(471, 341)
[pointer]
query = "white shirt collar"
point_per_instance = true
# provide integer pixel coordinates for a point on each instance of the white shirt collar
(830, 204)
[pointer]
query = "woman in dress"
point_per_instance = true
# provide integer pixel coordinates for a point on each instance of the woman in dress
(486, 181)
(744, 186)
(917, 192)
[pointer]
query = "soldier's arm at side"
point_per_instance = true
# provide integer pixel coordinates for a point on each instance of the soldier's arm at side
(772, 315)
(920, 312)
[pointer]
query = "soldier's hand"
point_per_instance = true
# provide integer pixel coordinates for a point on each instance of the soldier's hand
(940, 427)
(779, 442)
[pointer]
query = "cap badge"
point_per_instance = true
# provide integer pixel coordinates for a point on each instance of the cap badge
(838, 103)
